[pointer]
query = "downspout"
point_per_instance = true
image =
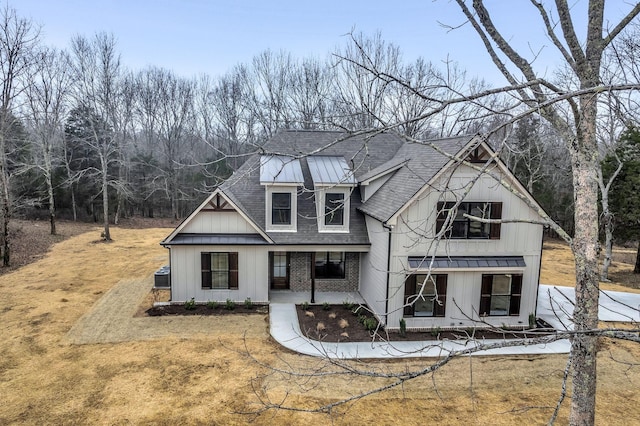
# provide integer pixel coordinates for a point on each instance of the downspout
(386, 298)
(313, 277)
(535, 308)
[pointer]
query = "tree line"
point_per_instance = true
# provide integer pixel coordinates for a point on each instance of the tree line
(83, 137)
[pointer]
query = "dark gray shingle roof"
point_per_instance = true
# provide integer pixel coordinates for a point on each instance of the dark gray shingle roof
(366, 155)
(422, 163)
(361, 153)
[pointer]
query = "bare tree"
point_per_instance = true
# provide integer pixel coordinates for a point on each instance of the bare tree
(18, 38)
(47, 100)
(578, 129)
(98, 71)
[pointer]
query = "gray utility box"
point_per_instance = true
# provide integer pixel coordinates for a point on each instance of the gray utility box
(162, 278)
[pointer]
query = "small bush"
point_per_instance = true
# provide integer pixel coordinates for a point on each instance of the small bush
(229, 305)
(343, 323)
(212, 304)
(403, 327)
(248, 303)
(435, 331)
(361, 319)
(190, 305)
(348, 305)
(320, 327)
(370, 323)
(326, 306)
(333, 315)
(305, 306)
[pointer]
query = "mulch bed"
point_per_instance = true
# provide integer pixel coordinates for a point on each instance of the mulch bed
(331, 331)
(200, 309)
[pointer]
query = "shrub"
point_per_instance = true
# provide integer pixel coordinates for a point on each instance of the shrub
(305, 306)
(229, 305)
(348, 305)
(326, 306)
(403, 327)
(190, 305)
(435, 331)
(248, 303)
(212, 304)
(343, 323)
(370, 323)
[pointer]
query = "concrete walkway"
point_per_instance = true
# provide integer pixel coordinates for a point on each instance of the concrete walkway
(112, 319)
(555, 305)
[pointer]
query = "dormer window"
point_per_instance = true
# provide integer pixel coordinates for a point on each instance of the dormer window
(333, 182)
(281, 176)
(334, 209)
(281, 208)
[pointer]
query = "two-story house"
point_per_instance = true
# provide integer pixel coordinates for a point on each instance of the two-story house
(393, 220)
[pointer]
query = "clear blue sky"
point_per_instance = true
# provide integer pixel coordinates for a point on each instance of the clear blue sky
(211, 36)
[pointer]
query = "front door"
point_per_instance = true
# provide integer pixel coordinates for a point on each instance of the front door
(279, 261)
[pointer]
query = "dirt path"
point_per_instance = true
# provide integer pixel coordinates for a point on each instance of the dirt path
(112, 320)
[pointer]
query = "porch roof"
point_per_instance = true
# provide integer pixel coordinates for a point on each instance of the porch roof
(462, 262)
(224, 239)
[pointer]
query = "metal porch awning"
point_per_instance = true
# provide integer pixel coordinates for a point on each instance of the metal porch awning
(466, 262)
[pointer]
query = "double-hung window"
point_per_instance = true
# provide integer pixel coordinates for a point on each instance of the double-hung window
(433, 299)
(334, 209)
(463, 227)
(500, 294)
(281, 208)
(219, 270)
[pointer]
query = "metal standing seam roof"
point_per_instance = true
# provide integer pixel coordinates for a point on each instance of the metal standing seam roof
(280, 169)
(462, 262)
(222, 239)
(330, 170)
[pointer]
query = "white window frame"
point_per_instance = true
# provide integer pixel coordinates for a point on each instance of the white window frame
(320, 207)
(269, 191)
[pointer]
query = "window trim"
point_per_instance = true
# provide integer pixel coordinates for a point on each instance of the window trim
(286, 209)
(495, 212)
(321, 208)
(486, 293)
(207, 271)
(293, 205)
(327, 261)
(411, 291)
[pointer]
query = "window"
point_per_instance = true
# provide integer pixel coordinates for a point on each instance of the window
(219, 270)
(464, 228)
(334, 209)
(500, 295)
(281, 208)
(330, 265)
(435, 295)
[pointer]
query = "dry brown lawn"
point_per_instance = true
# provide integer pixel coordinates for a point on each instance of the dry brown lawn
(205, 378)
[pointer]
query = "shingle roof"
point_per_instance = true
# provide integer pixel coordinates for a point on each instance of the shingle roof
(422, 163)
(361, 153)
(212, 239)
(367, 156)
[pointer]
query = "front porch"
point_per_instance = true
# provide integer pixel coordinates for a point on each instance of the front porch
(298, 297)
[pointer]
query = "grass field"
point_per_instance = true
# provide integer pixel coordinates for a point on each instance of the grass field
(207, 377)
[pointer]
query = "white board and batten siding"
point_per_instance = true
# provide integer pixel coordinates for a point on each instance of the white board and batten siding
(253, 273)
(373, 267)
(464, 286)
(218, 222)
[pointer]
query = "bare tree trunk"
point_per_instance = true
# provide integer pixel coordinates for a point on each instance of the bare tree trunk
(586, 249)
(105, 199)
(636, 270)
(52, 208)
